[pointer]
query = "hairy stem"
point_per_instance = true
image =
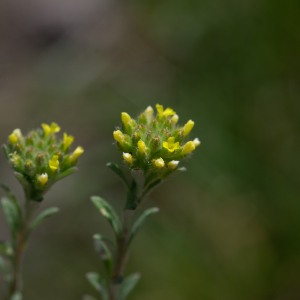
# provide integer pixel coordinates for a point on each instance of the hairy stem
(121, 256)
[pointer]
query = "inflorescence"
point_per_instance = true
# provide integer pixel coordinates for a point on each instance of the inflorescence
(155, 143)
(40, 159)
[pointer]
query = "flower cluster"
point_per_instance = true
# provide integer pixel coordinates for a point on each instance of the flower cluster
(39, 159)
(154, 142)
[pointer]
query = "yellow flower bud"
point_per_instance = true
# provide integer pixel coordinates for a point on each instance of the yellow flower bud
(77, 152)
(175, 119)
(142, 146)
(128, 157)
(188, 147)
(173, 164)
(188, 127)
(196, 142)
(149, 112)
(118, 136)
(126, 119)
(166, 113)
(54, 163)
(68, 140)
(42, 179)
(159, 163)
(15, 136)
(53, 128)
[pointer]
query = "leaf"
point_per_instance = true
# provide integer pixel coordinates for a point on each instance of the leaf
(42, 216)
(13, 198)
(65, 174)
(128, 285)
(5, 270)
(104, 252)
(88, 297)
(16, 296)
(131, 196)
(6, 249)
(12, 216)
(109, 213)
(6, 151)
(115, 168)
(98, 283)
(138, 223)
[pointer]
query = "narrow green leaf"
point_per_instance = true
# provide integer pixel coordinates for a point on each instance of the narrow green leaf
(104, 252)
(6, 249)
(13, 198)
(109, 213)
(138, 223)
(88, 297)
(42, 216)
(100, 237)
(6, 151)
(65, 174)
(131, 196)
(115, 168)
(5, 270)
(98, 283)
(16, 296)
(128, 285)
(12, 216)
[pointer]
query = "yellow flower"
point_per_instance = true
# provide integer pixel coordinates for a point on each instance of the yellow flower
(175, 119)
(188, 147)
(54, 163)
(53, 128)
(142, 146)
(149, 112)
(126, 119)
(118, 136)
(68, 140)
(162, 112)
(188, 127)
(42, 179)
(159, 163)
(15, 136)
(196, 142)
(170, 145)
(77, 152)
(128, 157)
(173, 164)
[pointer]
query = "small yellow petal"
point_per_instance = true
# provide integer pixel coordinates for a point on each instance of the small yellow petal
(173, 164)
(188, 127)
(141, 146)
(77, 152)
(160, 110)
(188, 147)
(118, 136)
(175, 119)
(54, 163)
(54, 128)
(196, 142)
(169, 112)
(125, 118)
(159, 163)
(47, 129)
(68, 140)
(128, 157)
(42, 179)
(170, 145)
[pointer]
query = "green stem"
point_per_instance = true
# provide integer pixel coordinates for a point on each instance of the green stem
(121, 256)
(19, 248)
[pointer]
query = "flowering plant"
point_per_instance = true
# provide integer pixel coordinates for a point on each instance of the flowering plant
(152, 146)
(39, 160)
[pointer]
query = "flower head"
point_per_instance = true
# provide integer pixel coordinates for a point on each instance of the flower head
(53, 128)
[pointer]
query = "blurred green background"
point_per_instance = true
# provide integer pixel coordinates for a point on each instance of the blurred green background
(229, 228)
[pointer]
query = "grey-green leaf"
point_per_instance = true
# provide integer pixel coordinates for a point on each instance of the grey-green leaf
(138, 223)
(98, 283)
(5, 270)
(109, 213)
(12, 216)
(13, 198)
(16, 296)
(115, 168)
(6, 151)
(88, 297)
(104, 252)
(6, 249)
(128, 285)
(42, 216)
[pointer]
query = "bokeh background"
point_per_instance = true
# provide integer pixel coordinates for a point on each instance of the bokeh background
(229, 228)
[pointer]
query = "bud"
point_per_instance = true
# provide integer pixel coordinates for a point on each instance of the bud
(15, 136)
(39, 159)
(175, 119)
(42, 179)
(126, 119)
(29, 168)
(188, 147)
(78, 151)
(118, 136)
(142, 146)
(128, 157)
(196, 142)
(159, 163)
(149, 112)
(173, 164)
(188, 127)
(68, 140)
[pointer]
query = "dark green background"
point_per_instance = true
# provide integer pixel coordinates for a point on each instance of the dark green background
(229, 228)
